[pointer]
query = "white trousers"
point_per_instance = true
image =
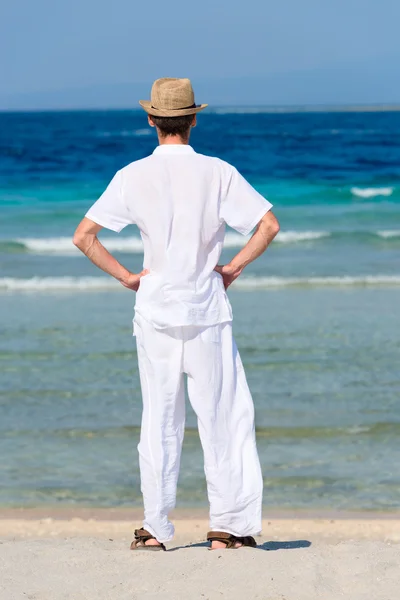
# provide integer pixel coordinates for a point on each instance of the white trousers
(221, 399)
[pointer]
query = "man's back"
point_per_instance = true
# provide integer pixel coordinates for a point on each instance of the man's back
(180, 200)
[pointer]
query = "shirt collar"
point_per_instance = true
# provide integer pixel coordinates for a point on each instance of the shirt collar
(174, 149)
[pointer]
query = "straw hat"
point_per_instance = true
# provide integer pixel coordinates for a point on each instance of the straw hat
(171, 98)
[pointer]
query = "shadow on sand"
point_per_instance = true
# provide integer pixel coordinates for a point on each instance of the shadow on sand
(268, 546)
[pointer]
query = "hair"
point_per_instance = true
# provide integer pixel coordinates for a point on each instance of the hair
(173, 125)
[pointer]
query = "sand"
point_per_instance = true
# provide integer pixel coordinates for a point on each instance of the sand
(54, 555)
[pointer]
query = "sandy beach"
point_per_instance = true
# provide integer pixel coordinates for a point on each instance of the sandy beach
(84, 555)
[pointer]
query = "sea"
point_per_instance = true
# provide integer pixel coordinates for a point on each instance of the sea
(316, 318)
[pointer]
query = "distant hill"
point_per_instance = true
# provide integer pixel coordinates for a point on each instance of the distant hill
(351, 85)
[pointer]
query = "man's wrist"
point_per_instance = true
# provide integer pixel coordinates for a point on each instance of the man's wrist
(235, 268)
(125, 277)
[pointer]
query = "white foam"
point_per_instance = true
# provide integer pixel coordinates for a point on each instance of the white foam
(253, 283)
(358, 429)
(371, 192)
(46, 284)
(63, 246)
(389, 234)
(300, 236)
(235, 240)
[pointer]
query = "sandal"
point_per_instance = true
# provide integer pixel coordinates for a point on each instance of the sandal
(141, 537)
(231, 540)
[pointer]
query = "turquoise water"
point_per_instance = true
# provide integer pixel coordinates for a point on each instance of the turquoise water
(316, 318)
(325, 385)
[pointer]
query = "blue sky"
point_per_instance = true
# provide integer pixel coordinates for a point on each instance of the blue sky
(54, 46)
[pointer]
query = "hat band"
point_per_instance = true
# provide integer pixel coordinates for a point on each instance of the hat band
(180, 108)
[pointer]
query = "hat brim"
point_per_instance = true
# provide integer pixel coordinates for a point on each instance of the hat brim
(155, 112)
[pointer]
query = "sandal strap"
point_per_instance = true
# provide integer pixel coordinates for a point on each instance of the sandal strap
(142, 535)
(139, 543)
(230, 540)
(221, 536)
(213, 535)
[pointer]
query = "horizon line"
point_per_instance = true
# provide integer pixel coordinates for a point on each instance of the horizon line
(231, 108)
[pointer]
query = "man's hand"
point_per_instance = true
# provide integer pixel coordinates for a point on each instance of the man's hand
(86, 240)
(132, 281)
(265, 232)
(229, 273)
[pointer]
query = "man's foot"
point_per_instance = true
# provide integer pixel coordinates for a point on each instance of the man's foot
(220, 540)
(222, 545)
(152, 542)
(145, 541)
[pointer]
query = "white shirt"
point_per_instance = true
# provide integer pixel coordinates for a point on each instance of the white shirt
(180, 200)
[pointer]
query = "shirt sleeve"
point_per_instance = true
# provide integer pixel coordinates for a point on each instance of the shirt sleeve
(110, 210)
(242, 207)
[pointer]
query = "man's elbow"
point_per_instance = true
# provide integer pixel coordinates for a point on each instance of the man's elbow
(79, 240)
(275, 226)
(272, 224)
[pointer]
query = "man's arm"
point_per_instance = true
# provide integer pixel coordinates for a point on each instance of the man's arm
(85, 238)
(265, 232)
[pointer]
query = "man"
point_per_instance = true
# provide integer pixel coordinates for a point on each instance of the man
(181, 202)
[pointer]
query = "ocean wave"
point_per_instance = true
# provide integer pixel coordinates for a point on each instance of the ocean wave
(287, 237)
(255, 283)
(46, 284)
(235, 240)
(395, 233)
(371, 192)
(62, 246)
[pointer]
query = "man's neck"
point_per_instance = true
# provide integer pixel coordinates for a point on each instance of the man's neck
(175, 140)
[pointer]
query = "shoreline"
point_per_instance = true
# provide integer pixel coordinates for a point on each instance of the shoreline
(191, 526)
(66, 513)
